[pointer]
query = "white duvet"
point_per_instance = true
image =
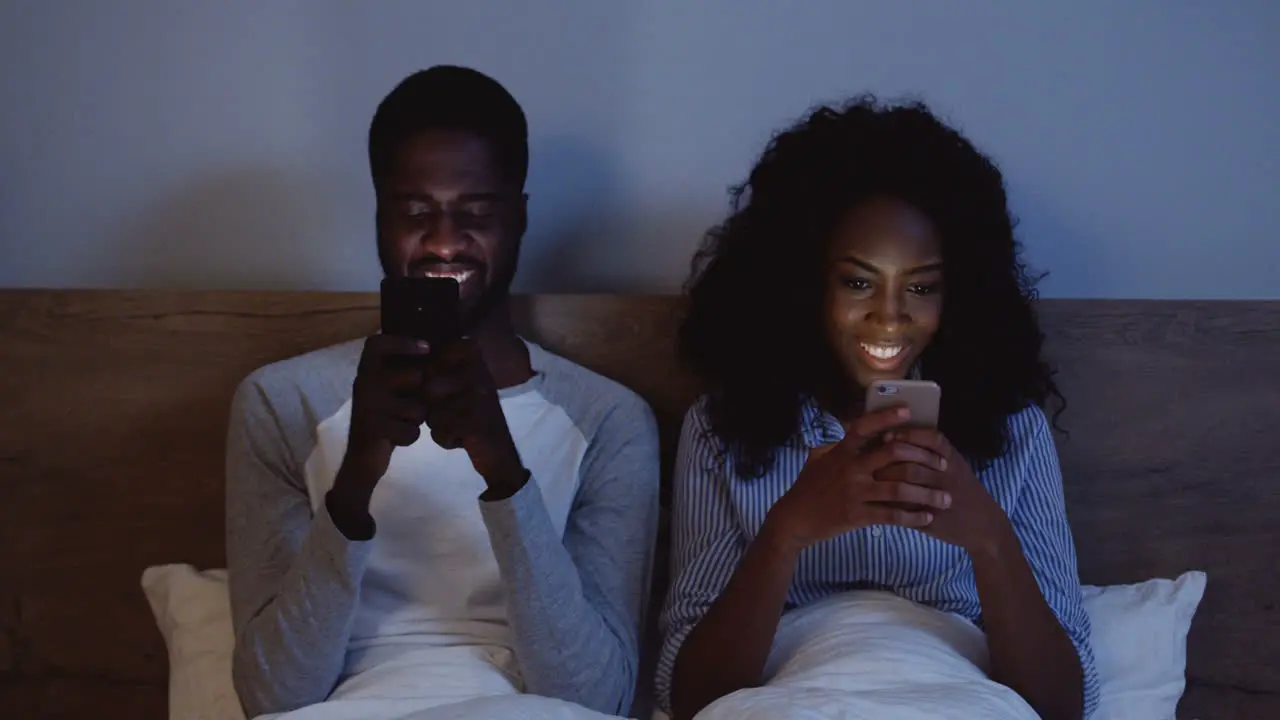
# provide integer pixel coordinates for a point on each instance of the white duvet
(874, 655)
(858, 655)
(439, 683)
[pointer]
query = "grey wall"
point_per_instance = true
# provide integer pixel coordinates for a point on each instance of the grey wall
(220, 144)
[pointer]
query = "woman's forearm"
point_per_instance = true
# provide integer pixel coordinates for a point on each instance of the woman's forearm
(1030, 651)
(728, 648)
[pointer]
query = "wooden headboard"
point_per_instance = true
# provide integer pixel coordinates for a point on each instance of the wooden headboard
(114, 406)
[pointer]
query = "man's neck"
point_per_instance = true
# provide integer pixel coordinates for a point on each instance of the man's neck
(504, 352)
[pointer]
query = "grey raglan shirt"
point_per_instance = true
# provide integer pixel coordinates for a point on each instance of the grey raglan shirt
(557, 573)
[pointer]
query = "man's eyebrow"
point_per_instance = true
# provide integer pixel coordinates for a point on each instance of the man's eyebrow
(484, 196)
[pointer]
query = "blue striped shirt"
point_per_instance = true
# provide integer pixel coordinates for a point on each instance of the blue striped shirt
(715, 517)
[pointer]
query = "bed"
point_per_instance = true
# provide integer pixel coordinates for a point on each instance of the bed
(115, 403)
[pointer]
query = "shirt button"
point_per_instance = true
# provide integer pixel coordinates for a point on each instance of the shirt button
(876, 532)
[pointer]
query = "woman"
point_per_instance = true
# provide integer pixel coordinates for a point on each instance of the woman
(869, 242)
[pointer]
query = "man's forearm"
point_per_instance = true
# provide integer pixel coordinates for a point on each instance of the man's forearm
(729, 647)
(1029, 649)
(565, 646)
(289, 652)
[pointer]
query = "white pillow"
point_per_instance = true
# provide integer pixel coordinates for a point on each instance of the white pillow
(1140, 644)
(193, 612)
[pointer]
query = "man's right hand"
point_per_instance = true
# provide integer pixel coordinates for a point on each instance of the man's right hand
(387, 411)
(836, 493)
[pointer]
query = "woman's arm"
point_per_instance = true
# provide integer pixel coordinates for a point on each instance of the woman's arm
(1024, 566)
(727, 650)
(1029, 586)
(725, 602)
(1030, 650)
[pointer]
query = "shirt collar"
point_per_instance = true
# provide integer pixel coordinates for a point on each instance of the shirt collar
(818, 427)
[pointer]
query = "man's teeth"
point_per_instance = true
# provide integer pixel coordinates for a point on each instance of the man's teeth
(460, 276)
(883, 352)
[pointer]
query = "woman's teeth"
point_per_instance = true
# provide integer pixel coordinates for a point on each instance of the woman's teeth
(882, 352)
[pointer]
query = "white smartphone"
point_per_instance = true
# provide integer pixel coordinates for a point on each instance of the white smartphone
(922, 397)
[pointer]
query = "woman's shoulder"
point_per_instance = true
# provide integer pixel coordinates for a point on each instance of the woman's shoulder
(697, 425)
(1029, 439)
(1028, 425)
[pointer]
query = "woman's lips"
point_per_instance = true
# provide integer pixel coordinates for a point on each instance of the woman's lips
(883, 356)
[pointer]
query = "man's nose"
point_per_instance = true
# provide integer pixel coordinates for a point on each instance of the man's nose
(445, 240)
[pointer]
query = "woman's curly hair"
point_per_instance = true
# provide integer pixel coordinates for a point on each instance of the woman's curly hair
(753, 333)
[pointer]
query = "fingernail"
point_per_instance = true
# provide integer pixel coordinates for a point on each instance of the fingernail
(423, 345)
(942, 464)
(903, 413)
(928, 518)
(888, 437)
(946, 500)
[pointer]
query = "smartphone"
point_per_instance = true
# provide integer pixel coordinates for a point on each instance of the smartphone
(922, 397)
(422, 308)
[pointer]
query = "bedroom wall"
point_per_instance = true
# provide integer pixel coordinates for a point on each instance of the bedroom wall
(220, 145)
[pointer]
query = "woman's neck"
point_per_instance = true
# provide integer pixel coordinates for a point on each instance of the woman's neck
(844, 403)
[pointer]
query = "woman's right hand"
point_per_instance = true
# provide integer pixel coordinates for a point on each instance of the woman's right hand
(836, 493)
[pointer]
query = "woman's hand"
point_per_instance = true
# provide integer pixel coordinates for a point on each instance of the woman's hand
(837, 492)
(975, 521)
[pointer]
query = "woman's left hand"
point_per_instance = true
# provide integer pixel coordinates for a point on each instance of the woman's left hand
(974, 520)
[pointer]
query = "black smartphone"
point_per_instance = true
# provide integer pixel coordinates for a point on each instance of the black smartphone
(422, 308)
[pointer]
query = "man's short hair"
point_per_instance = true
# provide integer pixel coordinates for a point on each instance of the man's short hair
(448, 97)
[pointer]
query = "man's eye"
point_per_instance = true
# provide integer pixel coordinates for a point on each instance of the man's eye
(480, 210)
(859, 284)
(417, 209)
(923, 289)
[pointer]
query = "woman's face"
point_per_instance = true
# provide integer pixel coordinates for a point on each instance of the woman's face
(883, 289)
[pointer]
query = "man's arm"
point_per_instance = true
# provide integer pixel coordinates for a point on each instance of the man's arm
(1032, 606)
(294, 579)
(575, 603)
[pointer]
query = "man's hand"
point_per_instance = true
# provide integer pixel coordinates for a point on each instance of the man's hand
(463, 412)
(975, 521)
(386, 412)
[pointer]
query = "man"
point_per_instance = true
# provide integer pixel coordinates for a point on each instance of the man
(504, 546)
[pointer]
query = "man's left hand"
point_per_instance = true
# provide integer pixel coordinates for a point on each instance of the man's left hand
(463, 412)
(974, 521)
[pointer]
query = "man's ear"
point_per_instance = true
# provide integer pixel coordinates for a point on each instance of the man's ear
(522, 215)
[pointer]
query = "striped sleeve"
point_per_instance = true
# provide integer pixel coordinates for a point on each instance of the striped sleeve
(706, 543)
(1039, 519)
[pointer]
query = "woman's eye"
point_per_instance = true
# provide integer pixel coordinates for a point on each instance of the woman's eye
(924, 288)
(859, 284)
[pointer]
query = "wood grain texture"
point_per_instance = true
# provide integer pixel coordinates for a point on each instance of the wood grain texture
(115, 406)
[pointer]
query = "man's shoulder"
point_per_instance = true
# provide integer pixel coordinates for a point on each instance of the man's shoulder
(320, 379)
(589, 398)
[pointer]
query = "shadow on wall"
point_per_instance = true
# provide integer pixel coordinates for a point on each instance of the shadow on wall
(1061, 250)
(271, 228)
(242, 228)
(583, 237)
(573, 194)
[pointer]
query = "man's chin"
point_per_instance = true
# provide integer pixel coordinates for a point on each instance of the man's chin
(478, 308)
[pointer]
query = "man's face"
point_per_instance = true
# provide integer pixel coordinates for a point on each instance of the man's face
(445, 210)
